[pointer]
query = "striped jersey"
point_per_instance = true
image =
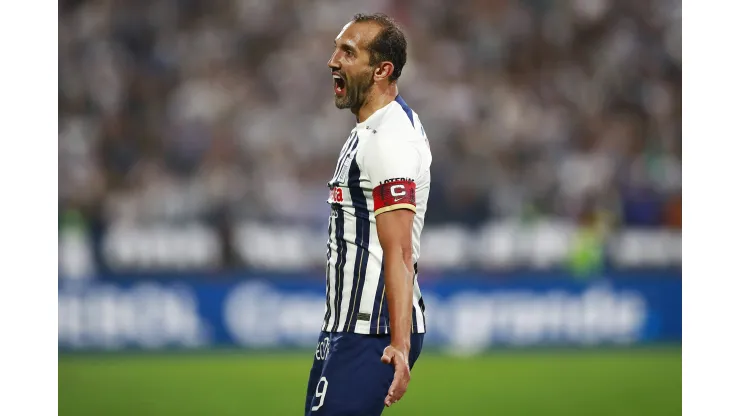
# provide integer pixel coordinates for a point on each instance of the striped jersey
(383, 166)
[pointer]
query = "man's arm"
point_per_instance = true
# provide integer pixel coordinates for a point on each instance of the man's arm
(392, 164)
(394, 233)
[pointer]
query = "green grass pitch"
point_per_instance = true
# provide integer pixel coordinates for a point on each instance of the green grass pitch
(630, 382)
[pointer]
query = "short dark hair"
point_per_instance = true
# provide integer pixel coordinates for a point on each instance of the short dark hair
(388, 45)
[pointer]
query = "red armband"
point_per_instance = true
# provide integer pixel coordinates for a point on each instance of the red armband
(395, 194)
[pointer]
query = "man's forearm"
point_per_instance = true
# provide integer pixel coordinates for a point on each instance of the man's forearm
(399, 277)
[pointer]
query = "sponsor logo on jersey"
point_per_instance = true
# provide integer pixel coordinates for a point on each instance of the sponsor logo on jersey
(396, 180)
(336, 195)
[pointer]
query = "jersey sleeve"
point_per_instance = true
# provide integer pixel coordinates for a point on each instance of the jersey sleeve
(392, 166)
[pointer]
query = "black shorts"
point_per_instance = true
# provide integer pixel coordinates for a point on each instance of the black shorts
(348, 378)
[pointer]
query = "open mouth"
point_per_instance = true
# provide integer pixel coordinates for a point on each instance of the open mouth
(339, 84)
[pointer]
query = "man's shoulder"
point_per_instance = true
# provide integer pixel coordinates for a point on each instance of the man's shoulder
(399, 120)
(397, 132)
(387, 139)
(394, 138)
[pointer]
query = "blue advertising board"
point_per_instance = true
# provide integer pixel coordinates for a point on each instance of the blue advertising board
(469, 313)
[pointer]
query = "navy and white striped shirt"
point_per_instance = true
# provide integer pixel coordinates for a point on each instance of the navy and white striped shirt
(384, 165)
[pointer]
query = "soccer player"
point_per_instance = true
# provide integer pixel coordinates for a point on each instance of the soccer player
(374, 322)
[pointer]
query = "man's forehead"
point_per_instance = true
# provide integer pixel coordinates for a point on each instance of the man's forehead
(341, 32)
(356, 34)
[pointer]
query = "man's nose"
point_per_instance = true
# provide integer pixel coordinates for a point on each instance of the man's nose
(333, 62)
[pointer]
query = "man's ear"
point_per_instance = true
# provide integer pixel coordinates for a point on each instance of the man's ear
(383, 71)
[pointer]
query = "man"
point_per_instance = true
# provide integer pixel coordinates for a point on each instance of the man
(374, 322)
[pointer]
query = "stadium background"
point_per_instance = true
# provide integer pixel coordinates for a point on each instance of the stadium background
(195, 140)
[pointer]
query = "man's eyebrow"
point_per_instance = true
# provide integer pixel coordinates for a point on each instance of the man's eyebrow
(346, 45)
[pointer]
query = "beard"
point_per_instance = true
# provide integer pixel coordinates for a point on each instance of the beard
(356, 90)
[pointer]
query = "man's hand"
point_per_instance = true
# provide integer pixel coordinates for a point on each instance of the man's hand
(402, 376)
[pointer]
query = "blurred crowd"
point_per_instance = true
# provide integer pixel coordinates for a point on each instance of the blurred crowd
(222, 110)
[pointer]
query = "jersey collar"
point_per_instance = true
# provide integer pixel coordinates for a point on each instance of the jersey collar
(373, 122)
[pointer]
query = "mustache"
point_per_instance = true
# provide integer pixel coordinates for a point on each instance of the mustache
(338, 72)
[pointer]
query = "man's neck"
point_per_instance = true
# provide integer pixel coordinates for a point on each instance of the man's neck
(378, 98)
